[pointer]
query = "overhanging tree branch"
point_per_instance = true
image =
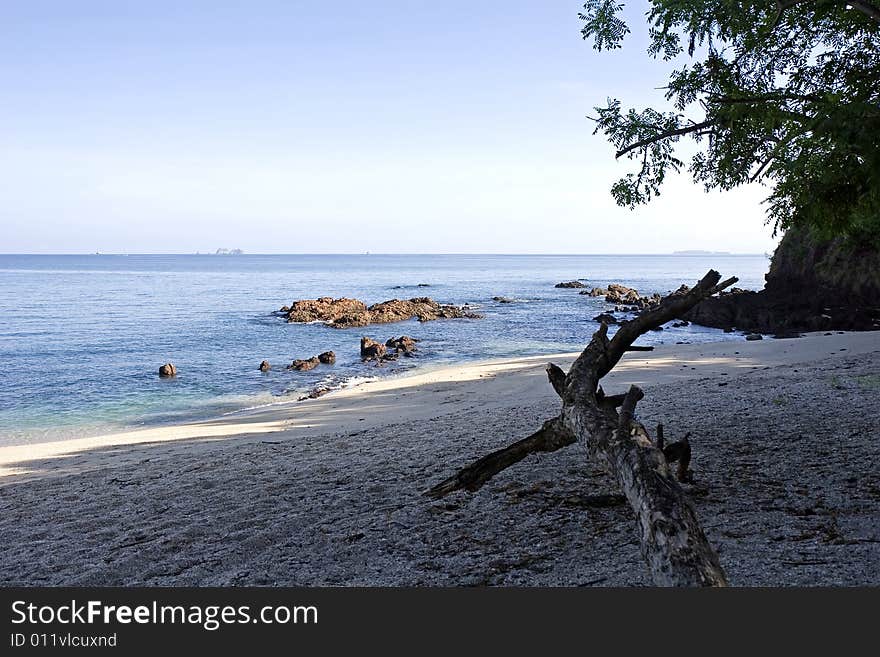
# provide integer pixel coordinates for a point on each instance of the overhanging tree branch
(666, 134)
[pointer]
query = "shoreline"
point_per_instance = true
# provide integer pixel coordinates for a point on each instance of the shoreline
(505, 379)
(329, 492)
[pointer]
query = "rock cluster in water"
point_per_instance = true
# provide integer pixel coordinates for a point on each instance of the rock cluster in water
(372, 350)
(627, 296)
(304, 365)
(348, 313)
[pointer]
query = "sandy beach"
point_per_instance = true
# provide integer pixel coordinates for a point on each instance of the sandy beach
(329, 491)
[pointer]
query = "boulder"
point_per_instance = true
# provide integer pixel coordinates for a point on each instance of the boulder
(168, 369)
(502, 299)
(595, 292)
(304, 365)
(570, 284)
(265, 366)
(403, 345)
(327, 358)
(372, 350)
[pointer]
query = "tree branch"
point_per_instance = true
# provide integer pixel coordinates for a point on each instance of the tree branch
(549, 438)
(666, 134)
(673, 543)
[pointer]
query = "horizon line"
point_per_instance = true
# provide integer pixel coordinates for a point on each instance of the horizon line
(683, 253)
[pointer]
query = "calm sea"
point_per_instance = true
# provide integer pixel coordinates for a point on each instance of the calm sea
(82, 337)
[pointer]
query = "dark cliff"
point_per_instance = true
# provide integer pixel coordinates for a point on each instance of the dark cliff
(813, 285)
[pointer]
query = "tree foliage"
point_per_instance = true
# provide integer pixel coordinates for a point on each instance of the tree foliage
(784, 92)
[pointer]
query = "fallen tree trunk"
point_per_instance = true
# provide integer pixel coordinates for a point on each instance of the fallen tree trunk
(672, 541)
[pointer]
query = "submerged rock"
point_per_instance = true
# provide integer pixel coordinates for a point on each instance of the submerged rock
(751, 337)
(403, 345)
(502, 299)
(314, 393)
(167, 370)
(607, 318)
(347, 313)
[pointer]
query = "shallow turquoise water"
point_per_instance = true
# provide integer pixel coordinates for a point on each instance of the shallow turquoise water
(81, 337)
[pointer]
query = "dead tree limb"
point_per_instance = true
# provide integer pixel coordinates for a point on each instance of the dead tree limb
(673, 543)
(548, 438)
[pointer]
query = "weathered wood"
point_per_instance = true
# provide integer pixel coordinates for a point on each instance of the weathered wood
(557, 378)
(672, 540)
(548, 438)
(673, 544)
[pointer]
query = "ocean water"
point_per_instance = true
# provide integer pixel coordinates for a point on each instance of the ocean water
(82, 337)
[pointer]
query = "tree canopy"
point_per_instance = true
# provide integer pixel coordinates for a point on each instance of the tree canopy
(784, 92)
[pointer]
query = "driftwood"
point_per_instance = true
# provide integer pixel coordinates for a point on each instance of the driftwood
(672, 541)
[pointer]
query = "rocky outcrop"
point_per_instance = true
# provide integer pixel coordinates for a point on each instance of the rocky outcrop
(502, 299)
(265, 366)
(304, 365)
(570, 284)
(324, 309)
(167, 370)
(813, 285)
(327, 358)
(627, 298)
(621, 294)
(348, 313)
(372, 350)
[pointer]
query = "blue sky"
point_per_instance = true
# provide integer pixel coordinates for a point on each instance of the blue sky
(284, 126)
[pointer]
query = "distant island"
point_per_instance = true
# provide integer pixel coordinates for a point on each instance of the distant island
(228, 252)
(701, 252)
